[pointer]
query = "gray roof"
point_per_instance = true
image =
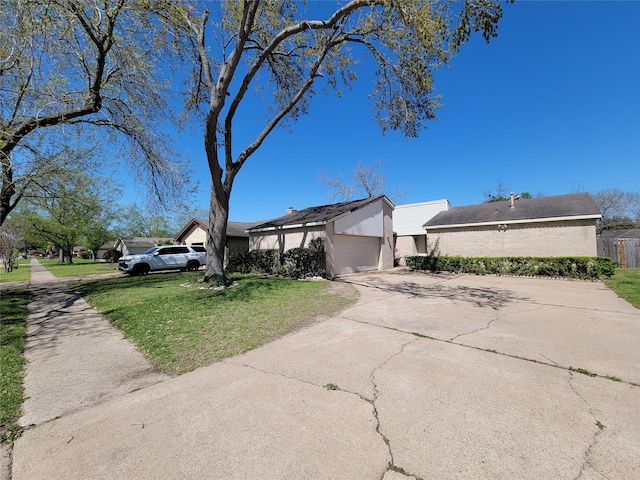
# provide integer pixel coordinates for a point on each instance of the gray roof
(316, 215)
(631, 233)
(144, 241)
(559, 206)
(239, 229)
(234, 229)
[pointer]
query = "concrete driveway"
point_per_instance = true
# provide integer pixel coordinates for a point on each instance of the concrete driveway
(427, 376)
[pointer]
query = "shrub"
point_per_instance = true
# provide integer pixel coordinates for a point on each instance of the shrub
(294, 263)
(570, 267)
(112, 255)
(240, 263)
(263, 261)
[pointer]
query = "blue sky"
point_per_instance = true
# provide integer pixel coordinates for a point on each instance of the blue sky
(551, 106)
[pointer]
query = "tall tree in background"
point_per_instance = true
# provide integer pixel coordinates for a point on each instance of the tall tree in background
(67, 219)
(501, 193)
(69, 68)
(367, 181)
(620, 209)
(283, 53)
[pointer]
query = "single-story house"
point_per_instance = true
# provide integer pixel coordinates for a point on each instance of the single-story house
(562, 225)
(104, 248)
(358, 235)
(410, 236)
(135, 245)
(195, 233)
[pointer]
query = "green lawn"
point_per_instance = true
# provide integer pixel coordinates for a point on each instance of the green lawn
(78, 267)
(626, 283)
(13, 332)
(17, 274)
(181, 325)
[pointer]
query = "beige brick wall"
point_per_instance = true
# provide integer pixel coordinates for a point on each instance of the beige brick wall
(552, 239)
(386, 249)
(288, 239)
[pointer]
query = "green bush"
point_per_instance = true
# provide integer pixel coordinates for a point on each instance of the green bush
(112, 255)
(263, 261)
(570, 267)
(294, 263)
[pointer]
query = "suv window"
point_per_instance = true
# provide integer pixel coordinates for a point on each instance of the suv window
(180, 250)
(198, 248)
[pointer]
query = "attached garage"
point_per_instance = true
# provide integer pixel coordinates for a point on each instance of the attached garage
(355, 253)
(358, 235)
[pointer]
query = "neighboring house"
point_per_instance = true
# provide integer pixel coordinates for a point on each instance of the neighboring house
(134, 245)
(623, 246)
(408, 221)
(195, 233)
(104, 249)
(358, 235)
(563, 225)
(77, 250)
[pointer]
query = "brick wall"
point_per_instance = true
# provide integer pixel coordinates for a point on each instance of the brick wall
(286, 239)
(550, 239)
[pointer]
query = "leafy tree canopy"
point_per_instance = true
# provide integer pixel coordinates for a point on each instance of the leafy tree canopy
(285, 53)
(70, 69)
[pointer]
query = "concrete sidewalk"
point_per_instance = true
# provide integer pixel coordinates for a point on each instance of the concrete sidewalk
(75, 359)
(437, 376)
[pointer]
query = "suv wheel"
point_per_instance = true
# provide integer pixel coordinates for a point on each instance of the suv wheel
(141, 269)
(193, 266)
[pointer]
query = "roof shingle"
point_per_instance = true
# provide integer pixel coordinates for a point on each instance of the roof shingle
(571, 205)
(314, 215)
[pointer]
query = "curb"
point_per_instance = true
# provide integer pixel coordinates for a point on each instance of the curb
(6, 456)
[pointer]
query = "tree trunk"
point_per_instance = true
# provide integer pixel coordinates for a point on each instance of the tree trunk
(217, 236)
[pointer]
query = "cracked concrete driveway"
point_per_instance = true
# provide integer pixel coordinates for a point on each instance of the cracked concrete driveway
(438, 376)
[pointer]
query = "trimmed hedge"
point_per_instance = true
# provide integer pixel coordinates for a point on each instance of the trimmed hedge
(585, 268)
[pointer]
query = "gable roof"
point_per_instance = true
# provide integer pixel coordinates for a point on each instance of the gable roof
(142, 241)
(234, 229)
(319, 215)
(575, 206)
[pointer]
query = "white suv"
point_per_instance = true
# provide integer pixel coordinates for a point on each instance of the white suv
(166, 257)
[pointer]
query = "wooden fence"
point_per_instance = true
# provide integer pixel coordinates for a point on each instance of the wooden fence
(624, 251)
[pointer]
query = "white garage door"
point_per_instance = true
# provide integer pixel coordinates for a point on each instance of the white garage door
(355, 254)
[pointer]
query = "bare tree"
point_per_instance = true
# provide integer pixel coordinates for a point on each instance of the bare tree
(498, 193)
(619, 209)
(279, 51)
(366, 181)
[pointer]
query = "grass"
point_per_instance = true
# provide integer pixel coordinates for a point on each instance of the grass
(78, 267)
(13, 332)
(180, 327)
(626, 283)
(19, 274)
